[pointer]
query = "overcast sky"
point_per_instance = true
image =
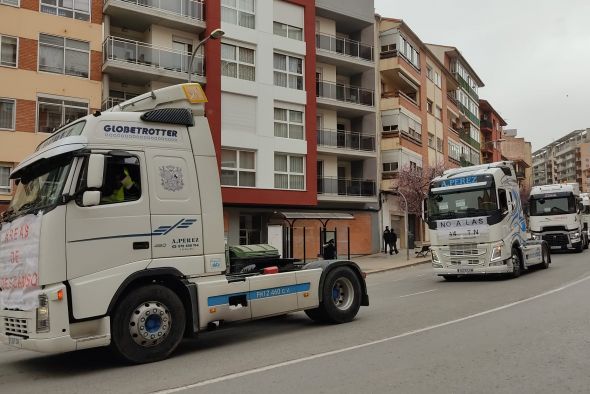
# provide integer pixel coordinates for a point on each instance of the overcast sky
(532, 55)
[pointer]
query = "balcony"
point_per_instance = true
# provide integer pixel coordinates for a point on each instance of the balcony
(355, 100)
(186, 15)
(469, 115)
(332, 188)
(465, 86)
(397, 99)
(140, 63)
(345, 143)
(349, 56)
(485, 124)
(464, 134)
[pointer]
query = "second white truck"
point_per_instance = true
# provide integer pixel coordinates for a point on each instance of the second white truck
(556, 216)
(477, 225)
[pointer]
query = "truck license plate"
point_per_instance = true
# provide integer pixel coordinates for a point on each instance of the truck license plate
(14, 341)
(464, 270)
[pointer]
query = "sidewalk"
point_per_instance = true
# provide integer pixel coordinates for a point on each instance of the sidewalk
(380, 262)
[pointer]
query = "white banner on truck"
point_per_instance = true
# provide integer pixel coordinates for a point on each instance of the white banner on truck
(462, 229)
(19, 263)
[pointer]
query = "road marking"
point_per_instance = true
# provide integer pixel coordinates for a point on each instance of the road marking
(364, 345)
(420, 292)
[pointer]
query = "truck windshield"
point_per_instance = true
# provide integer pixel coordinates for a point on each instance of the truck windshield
(463, 203)
(40, 186)
(552, 206)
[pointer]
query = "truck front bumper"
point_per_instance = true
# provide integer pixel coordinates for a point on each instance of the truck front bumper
(47, 345)
(477, 270)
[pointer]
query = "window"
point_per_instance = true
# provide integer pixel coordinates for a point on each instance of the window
(408, 51)
(4, 179)
(237, 62)
(238, 168)
(395, 120)
(438, 112)
(238, 12)
(289, 172)
(429, 72)
(390, 167)
(122, 180)
(429, 106)
(439, 144)
(64, 56)
(77, 9)
(8, 51)
(7, 114)
(288, 71)
(10, 2)
(284, 30)
(289, 124)
(454, 150)
(431, 140)
(53, 113)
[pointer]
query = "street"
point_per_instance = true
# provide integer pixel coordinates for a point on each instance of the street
(420, 335)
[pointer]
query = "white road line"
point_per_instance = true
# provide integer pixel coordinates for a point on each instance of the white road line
(420, 292)
(364, 345)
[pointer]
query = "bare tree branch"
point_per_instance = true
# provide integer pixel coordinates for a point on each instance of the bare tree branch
(413, 182)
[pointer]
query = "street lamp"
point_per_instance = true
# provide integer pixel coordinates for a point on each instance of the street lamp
(405, 222)
(215, 34)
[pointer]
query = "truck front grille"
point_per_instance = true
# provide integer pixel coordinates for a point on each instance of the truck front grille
(14, 326)
(464, 250)
(553, 228)
(556, 239)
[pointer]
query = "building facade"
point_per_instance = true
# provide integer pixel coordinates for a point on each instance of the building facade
(565, 160)
(491, 124)
(50, 68)
(518, 150)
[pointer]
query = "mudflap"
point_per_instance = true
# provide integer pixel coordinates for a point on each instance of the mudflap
(329, 265)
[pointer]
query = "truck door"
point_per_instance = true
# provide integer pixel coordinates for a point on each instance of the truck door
(175, 211)
(116, 234)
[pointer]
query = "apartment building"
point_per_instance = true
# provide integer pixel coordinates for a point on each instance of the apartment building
(518, 150)
(491, 125)
(564, 160)
(50, 68)
(466, 99)
(420, 124)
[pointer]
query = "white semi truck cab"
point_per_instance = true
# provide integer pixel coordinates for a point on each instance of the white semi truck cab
(556, 216)
(115, 237)
(477, 225)
(585, 197)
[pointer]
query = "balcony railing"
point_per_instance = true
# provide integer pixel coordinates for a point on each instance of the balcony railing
(186, 8)
(466, 86)
(468, 113)
(346, 187)
(467, 138)
(398, 94)
(141, 53)
(110, 102)
(345, 93)
(485, 124)
(454, 100)
(344, 46)
(346, 140)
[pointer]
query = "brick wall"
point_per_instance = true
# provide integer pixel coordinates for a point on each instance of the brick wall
(25, 115)
(27, 54)
(95, 65)
(30, 4)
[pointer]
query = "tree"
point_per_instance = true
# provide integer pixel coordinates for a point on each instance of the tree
(413, 183)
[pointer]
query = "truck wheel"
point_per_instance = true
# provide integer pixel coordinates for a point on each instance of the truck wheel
(586, 243)
(545, 257)
(341, 297)
(579, 247)
(148, 324)
(516, 263)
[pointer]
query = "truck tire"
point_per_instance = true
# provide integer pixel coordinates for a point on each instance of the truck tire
(546, 259)
(148, 324)
(516, 263)
(586, 243)
(579, 247)
(341, 297)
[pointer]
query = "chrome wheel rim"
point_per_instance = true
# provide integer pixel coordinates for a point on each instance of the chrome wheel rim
(342, 293)
(150, 323)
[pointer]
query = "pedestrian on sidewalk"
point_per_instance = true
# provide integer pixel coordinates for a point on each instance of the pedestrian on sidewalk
(386, 238)
(393, 242)
(330, 250)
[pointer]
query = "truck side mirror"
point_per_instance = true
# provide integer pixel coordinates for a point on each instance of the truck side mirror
(95, 174)
(90, 198)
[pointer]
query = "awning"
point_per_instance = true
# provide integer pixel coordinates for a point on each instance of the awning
(323, 217)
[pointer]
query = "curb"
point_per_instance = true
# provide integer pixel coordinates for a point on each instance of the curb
(398, 267)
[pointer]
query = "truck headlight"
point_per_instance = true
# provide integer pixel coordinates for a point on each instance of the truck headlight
(435, 260)
(537, 237)
(497, 251)
(575, 236)
(43, 314)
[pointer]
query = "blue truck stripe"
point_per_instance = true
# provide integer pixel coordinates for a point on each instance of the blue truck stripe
(260, 294)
